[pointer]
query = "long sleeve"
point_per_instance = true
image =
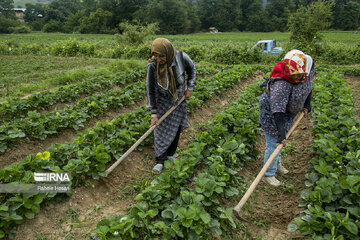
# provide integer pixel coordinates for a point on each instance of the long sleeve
(190, 71)
(307, 104)
(280, 124)
(151, 88)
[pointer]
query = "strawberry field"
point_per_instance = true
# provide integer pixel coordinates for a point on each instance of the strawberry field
(78, 113)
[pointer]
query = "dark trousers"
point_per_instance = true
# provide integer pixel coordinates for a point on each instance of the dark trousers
(171, 150)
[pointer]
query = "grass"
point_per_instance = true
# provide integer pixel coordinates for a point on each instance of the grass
(26, 74)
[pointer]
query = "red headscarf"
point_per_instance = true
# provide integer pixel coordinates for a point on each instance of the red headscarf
(293, 63)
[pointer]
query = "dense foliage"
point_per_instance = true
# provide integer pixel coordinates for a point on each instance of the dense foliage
(332, 196)
(172, 16)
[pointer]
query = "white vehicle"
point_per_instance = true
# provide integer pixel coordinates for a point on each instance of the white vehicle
(268, 47)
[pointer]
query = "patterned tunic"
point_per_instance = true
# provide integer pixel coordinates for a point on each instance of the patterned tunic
(284, 97)
(160, 101)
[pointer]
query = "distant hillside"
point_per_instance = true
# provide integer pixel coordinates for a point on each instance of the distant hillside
(21, 3)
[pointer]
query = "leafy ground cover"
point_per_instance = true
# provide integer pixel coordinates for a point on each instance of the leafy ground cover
(332, 197)
(172, 207)
(268, 211)
(39, 126)
(19, 107)
(76, 218)
(80, 158)
(26, 74)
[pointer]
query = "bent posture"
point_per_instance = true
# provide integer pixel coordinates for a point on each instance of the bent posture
(288, 91)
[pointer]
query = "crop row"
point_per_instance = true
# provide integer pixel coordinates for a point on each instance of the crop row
(39, 126)
(347, 70)
(87, 155)
(332, 196)
(19, 107)
(178, 204)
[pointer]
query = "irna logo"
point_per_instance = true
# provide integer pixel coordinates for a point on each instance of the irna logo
(52, 177)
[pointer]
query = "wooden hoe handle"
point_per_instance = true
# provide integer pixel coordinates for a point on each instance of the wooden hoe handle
(265, 167)
(137, 143)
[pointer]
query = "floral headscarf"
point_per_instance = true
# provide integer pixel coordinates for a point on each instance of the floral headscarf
(163, 47)
(294, 63)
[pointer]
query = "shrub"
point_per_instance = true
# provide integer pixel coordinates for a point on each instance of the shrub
(135, 34)
(6, 24)
(20, 29)
(53, 26)
(196, 53)
(71, 48)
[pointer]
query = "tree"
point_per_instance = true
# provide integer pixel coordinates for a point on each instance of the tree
(72, 22)
(172, 16)
(6, 9)
(7, 24)
(346, 15)
(34, 15)
(225, 15)
(135, 34)
(122, 10)
(253, 17)
(278, 12)
(307, 22)
(97, 22)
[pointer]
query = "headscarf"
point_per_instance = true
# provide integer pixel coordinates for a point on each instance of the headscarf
(163, 47)
(294, 62)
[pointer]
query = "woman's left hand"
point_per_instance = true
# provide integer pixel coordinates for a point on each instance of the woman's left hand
(188, 94)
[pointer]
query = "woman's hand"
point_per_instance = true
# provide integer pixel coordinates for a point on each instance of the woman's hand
(283, 142)
(188, 94)
(154, 120)
(305, 111)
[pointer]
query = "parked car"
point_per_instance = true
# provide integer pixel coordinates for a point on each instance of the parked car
(268, 47)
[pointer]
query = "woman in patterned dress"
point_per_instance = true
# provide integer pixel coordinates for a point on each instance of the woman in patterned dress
(166, 84)
(288, 91)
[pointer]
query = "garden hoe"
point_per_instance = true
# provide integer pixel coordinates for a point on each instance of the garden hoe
(263, 170)
(110, 169)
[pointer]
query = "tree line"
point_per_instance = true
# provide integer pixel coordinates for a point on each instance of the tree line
(171, 16)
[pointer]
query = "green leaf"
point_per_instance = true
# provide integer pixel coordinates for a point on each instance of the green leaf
(28, 203)
(2, 234)
(292, 227)
(4, 207)
(167, 213)
(175, 226)
(104, 229)
(29, 215)
(38, 199)
(351, 227)
(205, 217)
(35, 208)
(16, 217)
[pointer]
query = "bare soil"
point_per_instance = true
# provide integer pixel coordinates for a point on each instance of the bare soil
(267, 213)
(76, 217)
(19, 151)
(353, 82)
(270, 209)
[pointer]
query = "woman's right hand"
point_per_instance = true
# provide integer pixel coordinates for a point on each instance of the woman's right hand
(154, 120)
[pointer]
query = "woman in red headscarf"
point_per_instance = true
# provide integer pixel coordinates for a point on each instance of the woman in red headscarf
(288, 91)
(166, 84)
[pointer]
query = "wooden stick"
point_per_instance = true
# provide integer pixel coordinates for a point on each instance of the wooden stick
(265, 167)
(137, 143)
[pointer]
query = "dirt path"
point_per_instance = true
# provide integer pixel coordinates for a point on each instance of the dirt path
(353, 82)
(20, 151)
(76, 218)
(269, 209)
